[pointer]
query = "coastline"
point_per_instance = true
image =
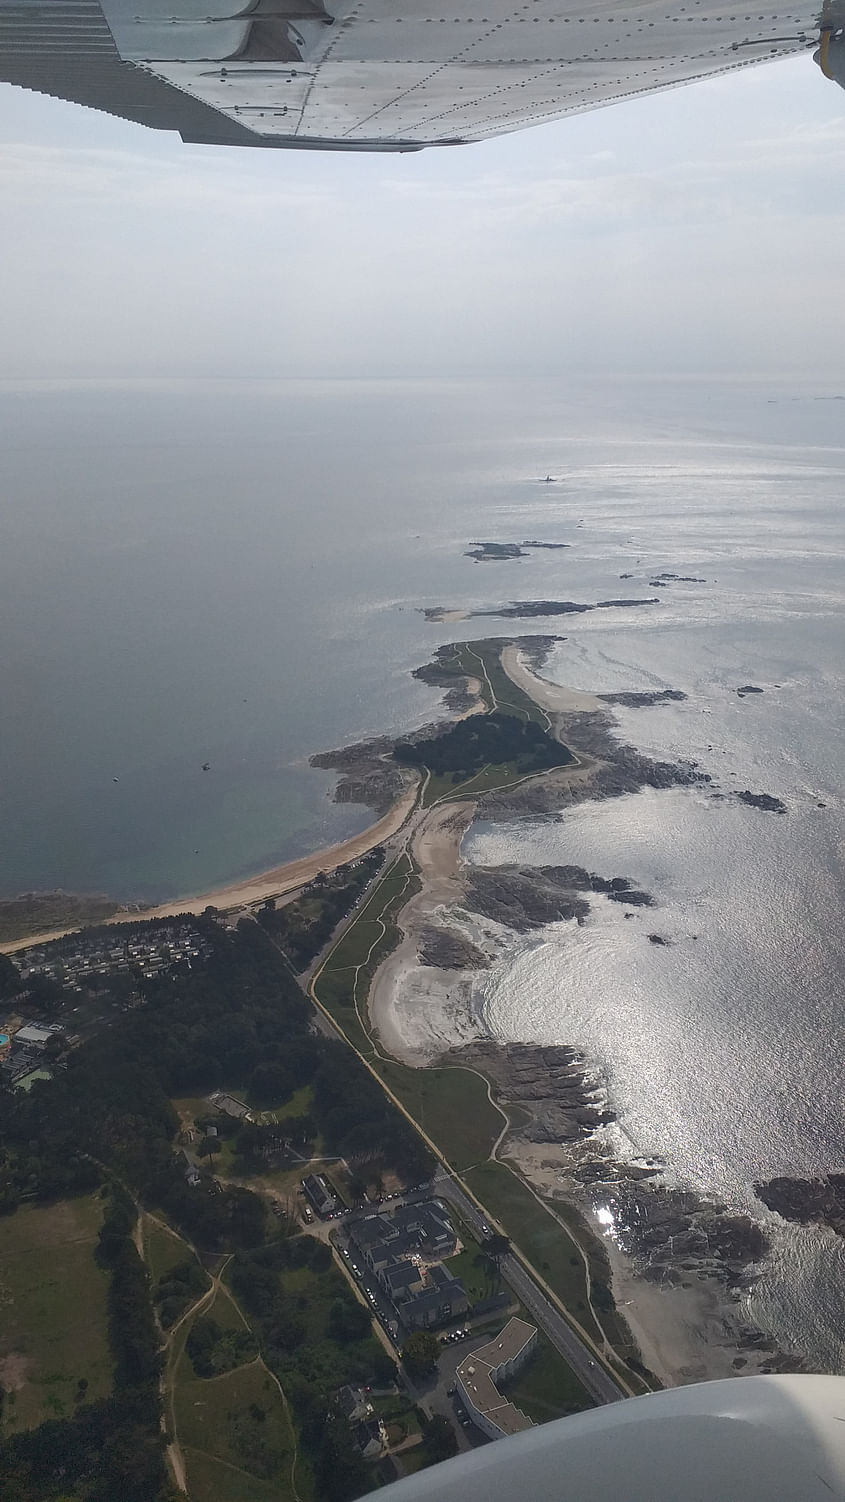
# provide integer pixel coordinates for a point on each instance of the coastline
(278, 881)
(687, 1327)
(423, 1003)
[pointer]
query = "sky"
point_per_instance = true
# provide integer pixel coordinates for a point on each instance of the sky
(699, 231)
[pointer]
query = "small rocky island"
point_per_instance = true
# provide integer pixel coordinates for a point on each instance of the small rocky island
(528, 609)
(765, 801)
(807, 1201)
(747, 688)
(495, 552)
(644, 699)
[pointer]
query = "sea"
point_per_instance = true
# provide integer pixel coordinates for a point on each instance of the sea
(234, 575)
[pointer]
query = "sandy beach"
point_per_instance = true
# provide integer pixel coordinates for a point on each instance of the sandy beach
(254, 889)
(553, 697)
(418, 1010)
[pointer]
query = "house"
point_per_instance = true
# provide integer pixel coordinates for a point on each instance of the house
(321, 1195)
(440, 1300)
(370, 1436)
(228, 1106)
(425, 1229)
(351, 1402)
(400, 1280)
(36, 1037)
(480, 1374)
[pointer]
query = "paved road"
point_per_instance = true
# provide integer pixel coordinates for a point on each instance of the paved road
(594, 1377)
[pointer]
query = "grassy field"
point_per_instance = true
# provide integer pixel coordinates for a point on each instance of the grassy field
(234, 1430)
(53, 1300)
(474, 1271)
(39, 912)
(211, 1480)
(163, 1249)
(535, 1232)
(489, 778)
(238, 1421)
(546, 1388)
(352, 963)
(508, 697)
(451, 1105)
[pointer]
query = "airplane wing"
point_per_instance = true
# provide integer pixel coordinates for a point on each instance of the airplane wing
(747, 1439)
(395, 75)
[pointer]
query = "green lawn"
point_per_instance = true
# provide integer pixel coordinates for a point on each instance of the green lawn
(53, 1299)
(535, 1232)
(370, 937)
(238, 1419)
(546, 1388)
(451, 1105)
(211, 1480)
(474, 1271)
(163, 1249)
(299, 1104)
(508, 696)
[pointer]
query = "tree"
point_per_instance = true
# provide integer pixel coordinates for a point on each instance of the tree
(357, 1188)
(420, 1353)
(496, 1247)
(10, 979)
(440, 1438)
(348, 1320)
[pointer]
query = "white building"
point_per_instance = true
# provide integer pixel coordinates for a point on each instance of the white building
(481, 1371)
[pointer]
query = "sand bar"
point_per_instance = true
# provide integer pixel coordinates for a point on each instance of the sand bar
(553, 697)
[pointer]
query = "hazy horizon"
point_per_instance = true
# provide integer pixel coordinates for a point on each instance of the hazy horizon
(694, 231)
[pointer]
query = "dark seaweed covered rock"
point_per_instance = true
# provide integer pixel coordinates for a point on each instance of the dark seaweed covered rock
(819, 1201)
(644, 699)
(447, 949)
(765, 801)
(522, 898)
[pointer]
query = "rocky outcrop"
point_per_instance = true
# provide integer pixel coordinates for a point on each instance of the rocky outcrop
(368, 773)
(671, 1232)
(490, 552)
(521, 898)
(642, 700)
(619, 769)
(528, 609)
(446, 949)
(765, 801)
(820, 1201)
(551, 1086)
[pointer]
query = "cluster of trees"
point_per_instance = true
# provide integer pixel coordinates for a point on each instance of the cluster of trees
(420, 1354)
(177, 1289)
(351, 1109)
(301, 928)
(108, 1111)
(214, 1350)
(484, 740)
(10, 978)
(236, 1016)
